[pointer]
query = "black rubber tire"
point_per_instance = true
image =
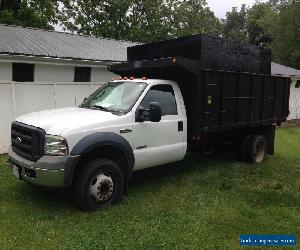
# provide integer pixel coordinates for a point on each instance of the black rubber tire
(256, 149)
(240, 149)
(85, 175)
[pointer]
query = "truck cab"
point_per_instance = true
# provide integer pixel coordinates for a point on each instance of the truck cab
(126, 125)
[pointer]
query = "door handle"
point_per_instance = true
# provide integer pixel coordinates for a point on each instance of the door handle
(125, 131)
(180, 126)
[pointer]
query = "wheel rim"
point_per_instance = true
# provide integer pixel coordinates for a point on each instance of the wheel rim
(101, 187)
(259, 152)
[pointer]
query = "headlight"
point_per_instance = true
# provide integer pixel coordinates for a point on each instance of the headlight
(55, 145)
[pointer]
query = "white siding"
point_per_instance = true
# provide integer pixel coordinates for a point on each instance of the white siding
(53, 73)
(294, 102)
(65, 96)
(5, 71)
(6, 112)
(33, 97)
(101, 75)
(64, 73)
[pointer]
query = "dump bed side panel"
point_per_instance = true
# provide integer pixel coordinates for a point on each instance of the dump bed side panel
(232, 99)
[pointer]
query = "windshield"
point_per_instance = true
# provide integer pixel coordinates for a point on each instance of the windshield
(115, 96)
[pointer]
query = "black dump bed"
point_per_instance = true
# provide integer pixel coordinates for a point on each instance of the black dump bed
(217, 100)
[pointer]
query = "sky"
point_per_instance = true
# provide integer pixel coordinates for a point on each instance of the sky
(219, 7)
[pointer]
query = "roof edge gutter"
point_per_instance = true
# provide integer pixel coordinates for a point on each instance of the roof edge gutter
(23, 58)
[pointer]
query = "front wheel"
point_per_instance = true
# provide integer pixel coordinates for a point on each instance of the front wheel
(98, 184)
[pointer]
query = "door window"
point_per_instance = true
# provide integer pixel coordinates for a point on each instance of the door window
(164, 95)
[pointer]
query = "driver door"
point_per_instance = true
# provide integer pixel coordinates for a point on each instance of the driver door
(157, 143)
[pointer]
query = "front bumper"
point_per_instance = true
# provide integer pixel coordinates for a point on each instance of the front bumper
(48, 171)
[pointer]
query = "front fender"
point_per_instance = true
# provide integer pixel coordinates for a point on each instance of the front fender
(98, 139)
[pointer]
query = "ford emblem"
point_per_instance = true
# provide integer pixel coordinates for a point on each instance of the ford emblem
(19, 140)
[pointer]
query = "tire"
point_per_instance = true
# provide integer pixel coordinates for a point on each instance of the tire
(256, 149)
(98, 184)
(240, 150)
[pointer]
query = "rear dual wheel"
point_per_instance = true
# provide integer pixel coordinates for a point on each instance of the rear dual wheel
(256, 149)
(252, 149)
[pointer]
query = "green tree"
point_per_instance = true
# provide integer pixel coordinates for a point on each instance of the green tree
(256, 33)
(194, 17)
(283, 25)
(96, 17)
(30, 13)
(147, 21)
(144, 21)
(234, 25)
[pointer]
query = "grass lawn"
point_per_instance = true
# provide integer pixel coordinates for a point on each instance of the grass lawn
(198, 203)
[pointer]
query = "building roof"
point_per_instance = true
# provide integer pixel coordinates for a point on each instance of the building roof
(16, 40)
(278, 69)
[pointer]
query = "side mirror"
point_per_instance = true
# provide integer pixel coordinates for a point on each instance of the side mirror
(154, 112)
(139, 115)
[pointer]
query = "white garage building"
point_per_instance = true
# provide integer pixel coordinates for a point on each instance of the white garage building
(46, 69)
(42, 69)
(294, 74)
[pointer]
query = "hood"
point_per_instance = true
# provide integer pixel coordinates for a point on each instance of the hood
(57, 120)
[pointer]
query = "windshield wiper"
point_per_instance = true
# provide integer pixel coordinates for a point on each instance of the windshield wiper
(83, 106)
(104, 109)
(101, 108)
